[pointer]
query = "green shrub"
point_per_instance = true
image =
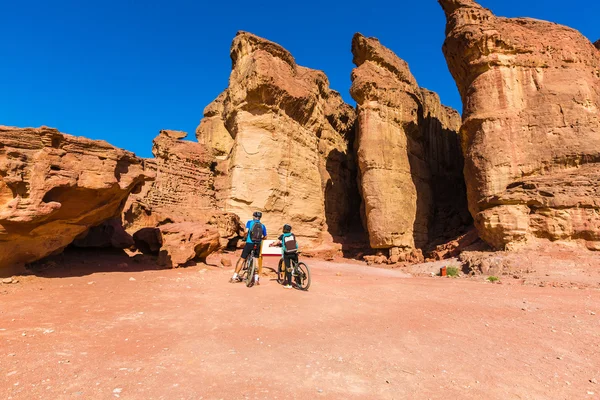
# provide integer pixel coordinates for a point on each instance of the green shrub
(452, 271)
(493, 279)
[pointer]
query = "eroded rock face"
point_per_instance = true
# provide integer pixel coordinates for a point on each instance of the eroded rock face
(182, 194)
(409, 155)
(54, 187)
(110, 233)
(531, 125)
(597, 44)
(148, 240)
(283, 139)
(184, 186)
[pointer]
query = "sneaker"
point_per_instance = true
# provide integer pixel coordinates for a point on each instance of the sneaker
(257, 283)
(235, 280)
(287, 286)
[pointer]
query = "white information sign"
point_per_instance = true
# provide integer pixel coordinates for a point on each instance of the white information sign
(270, 251)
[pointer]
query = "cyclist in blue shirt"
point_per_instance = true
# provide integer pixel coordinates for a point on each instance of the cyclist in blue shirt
(255, 233)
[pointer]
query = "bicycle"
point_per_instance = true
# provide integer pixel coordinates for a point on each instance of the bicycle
(300, 274)
(246, 275)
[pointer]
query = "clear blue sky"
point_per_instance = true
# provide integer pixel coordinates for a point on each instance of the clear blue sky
(121, 70)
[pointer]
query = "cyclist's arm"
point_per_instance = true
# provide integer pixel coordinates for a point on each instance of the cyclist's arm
(247, 230)
(279, 242)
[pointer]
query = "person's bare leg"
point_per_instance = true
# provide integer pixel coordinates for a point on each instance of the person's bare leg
(238, 265)
(238, 268)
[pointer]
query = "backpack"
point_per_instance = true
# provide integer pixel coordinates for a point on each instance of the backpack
(256, 232)
(289, 244)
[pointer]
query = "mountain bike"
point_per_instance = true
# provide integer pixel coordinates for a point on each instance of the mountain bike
(300, 274)
(249, 267)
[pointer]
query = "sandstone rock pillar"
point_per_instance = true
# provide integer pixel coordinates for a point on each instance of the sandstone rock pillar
(409, 159)
(284, 140)
(531, 125)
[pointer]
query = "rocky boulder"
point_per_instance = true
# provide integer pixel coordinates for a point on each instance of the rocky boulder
(283, 140)
(54, 187)
(597, 44)
(531, 125)
(177, 243)
(185, 241)
(409, 158)
(453, 248)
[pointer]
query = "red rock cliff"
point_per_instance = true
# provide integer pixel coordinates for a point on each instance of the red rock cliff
(531, 125)
(54, 187)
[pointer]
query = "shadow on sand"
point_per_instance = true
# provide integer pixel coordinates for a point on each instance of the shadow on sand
(86, 261)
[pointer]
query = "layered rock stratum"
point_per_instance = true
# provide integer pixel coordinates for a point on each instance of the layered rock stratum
(184, 186)
(54, 187)
(284, 140)
(409, 158)
(531, 125)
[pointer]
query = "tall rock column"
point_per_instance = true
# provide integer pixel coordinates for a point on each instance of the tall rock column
(407, 141)
(531, 125)
(283, 140)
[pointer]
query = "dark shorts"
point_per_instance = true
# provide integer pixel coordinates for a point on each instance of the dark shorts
(248, 248)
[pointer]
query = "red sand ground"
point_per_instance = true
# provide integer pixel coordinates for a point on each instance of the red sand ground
(359, 332)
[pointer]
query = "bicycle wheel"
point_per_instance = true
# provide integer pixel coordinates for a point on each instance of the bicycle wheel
(250, 273)
(281, 272)
(302, 277)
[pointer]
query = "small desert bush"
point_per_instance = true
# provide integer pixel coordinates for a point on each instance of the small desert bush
(452, 271)
(493, 279)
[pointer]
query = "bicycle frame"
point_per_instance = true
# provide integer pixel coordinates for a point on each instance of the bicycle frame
(255, 251)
